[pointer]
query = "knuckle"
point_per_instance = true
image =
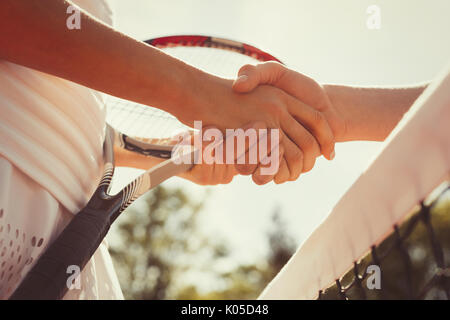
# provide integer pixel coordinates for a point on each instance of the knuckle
(329, 141)
(309, 165)
(296, 163)
(259, 179)
(298, 154)
(323, 103)
(228, 179)
(245, 169)
(275, 67)
(310, 145)
(316, 86)
(274, 64)
(279, 180)
(247, 68)
(319, 119)
(205, 179)
(295, 176)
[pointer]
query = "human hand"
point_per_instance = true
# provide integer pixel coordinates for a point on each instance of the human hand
(295, 84)
(207, 172)
(202, 173)
(275, 109)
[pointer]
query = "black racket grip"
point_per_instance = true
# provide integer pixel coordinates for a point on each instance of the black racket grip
(47, 280)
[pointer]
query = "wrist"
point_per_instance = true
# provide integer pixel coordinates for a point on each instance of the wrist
(338, 116)
(197, 95)
(179, 91)
(170, 85)
(212, 101)
(371, 113)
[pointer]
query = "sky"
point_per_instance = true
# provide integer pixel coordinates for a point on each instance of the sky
(326, 39)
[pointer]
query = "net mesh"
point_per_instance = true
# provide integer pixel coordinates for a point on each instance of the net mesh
(413, 262)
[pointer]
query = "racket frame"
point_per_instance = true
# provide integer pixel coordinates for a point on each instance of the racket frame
(212, 42)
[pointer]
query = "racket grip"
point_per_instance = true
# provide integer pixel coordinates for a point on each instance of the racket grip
(49, 277)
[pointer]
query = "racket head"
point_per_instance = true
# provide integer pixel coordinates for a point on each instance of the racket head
(199, 41)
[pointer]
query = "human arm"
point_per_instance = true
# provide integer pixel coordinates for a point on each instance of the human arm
(103, 59)
(354, 113)
(371, 113)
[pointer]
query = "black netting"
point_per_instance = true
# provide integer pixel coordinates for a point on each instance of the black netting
(413, 261)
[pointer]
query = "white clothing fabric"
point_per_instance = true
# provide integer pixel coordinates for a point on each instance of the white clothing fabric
(51, 136)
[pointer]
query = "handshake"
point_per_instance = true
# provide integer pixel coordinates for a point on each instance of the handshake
(286, 117)
(272, 122)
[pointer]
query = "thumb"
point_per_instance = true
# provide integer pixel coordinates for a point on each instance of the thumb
(249, 76)
(247, 80)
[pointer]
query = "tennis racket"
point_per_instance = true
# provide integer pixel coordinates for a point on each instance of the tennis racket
(125, 120)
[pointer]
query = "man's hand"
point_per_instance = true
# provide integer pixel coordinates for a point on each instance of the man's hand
(303, 88)
(303, 130)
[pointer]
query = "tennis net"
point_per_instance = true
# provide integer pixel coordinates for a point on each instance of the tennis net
(393, 224)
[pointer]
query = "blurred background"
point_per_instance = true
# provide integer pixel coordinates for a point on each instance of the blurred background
(223, 242)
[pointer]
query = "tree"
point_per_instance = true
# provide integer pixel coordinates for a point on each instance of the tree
(248, 281)
(159, 243)
(155, 235)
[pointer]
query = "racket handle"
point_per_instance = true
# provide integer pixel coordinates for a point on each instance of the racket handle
(48, 278)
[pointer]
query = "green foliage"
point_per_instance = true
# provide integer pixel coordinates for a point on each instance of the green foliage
(159, 243)
(247, 281)
(155, 234)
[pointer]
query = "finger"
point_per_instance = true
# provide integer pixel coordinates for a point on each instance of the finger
(247, 80)
(269, 153)
(303, 88)
(260, 176)
(246, 148)
(315, 122)
(218, 173)
(201, 174)
(301, 148)
(230, 172)
(310, 92)
(246, 166)
(296, 85)
(283, 173)
(207, 174)
(250, 76)
(222, 173)
(213, 146)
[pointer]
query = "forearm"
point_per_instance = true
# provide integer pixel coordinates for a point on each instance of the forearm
(371, 113)
(95, 56)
